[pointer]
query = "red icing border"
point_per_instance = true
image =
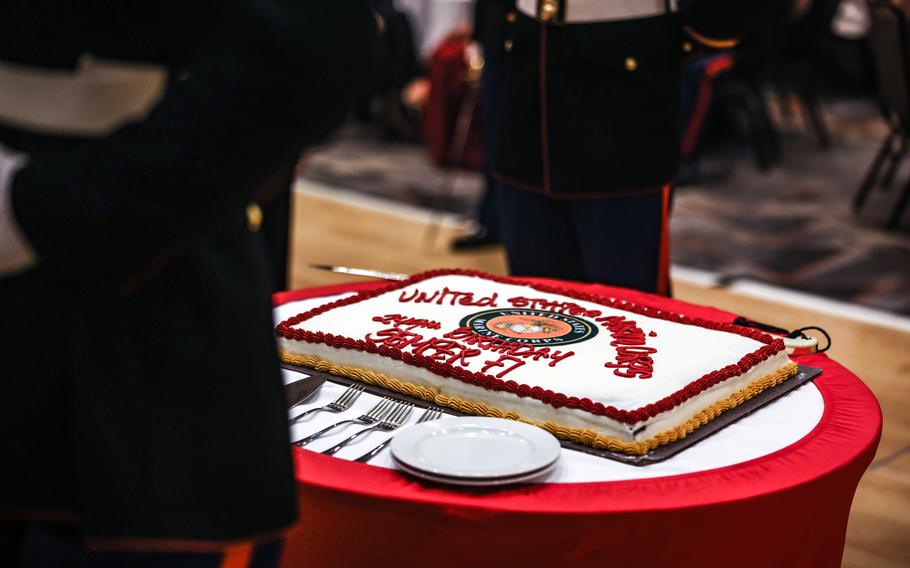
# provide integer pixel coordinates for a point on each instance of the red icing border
(557, 400)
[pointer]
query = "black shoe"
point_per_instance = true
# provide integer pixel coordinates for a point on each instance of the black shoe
(479, 238)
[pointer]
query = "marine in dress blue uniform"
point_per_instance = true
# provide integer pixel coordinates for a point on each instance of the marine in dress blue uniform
(140, 398)
(588, 137)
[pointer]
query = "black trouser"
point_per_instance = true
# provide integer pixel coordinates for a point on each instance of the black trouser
(613, 240)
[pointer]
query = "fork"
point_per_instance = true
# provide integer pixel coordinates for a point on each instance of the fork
(340, 404)
(394, 418)
(432, 413)
(375, 414)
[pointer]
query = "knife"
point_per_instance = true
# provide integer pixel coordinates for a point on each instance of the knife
(302, 390)
(361, 272)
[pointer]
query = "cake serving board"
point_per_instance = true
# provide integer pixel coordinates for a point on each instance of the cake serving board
(659, 454)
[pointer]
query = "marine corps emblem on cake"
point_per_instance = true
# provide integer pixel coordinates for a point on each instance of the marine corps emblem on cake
(530, 326)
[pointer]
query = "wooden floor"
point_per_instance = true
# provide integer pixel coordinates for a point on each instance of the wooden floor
(333, 231)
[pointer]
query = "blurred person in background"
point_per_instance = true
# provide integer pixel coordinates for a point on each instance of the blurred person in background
(140, 393)
(588, 137)
(395, 65)
(491, 20)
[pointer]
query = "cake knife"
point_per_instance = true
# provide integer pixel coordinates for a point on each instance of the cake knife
(302, 390)
(397, 276)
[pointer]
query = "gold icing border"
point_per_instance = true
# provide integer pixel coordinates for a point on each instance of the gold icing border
(583, 436)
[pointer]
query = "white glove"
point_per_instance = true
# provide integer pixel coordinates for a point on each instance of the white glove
(16, 255)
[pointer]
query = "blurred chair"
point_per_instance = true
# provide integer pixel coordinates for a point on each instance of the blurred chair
(784, 51)
(781, 53)
(735, 81)
(702, 83)
(888, 41)
(801, 57)
(743, 93)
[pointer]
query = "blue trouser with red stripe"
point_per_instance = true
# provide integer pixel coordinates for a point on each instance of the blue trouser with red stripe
(619, 241)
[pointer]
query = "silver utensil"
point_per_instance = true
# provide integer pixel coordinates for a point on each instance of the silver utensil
(361, 272)
(432, 413)
(302, 390)
(372, 416)
(394, 418)
(340, 404)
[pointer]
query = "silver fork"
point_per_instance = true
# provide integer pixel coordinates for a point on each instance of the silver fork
(371, 417)
(432, 413)
(394, 418)
(340, 404)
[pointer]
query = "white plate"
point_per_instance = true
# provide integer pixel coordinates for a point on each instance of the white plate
(537, 475)
(478, 448)
(532, 473)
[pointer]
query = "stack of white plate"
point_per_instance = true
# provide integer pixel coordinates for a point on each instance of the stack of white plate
(475, 451)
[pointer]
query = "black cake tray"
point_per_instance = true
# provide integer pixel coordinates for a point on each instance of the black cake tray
(660, 454)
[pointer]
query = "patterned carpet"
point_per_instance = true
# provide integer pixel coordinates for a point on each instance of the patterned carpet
(791, 226)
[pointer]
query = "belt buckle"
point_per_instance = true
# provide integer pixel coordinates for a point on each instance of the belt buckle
(551, 11)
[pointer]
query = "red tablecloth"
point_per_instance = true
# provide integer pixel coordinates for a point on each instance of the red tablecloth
(788, 508)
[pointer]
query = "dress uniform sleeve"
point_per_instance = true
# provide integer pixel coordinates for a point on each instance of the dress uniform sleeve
(270, 77)
(720, 23)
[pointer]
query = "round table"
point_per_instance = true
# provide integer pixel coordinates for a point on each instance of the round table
(788, 507)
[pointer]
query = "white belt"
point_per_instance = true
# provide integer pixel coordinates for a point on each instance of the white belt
(94, 99)
(590, 11)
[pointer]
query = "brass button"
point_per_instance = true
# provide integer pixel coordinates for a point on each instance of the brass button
(511, 17)
(253, 216)
(631, 64)
(508, 45)
(687, 47)
(549, 9)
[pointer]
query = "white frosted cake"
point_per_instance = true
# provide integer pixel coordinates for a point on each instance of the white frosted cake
(599, 371)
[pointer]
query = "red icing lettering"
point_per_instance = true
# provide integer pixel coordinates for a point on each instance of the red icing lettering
(511, 348)
(501, 362)
(394, 337)
(408, 323)
(570, 308)
(443, 350)
(557, 356)
(418, 297)
(449, 297)
(633, 357)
